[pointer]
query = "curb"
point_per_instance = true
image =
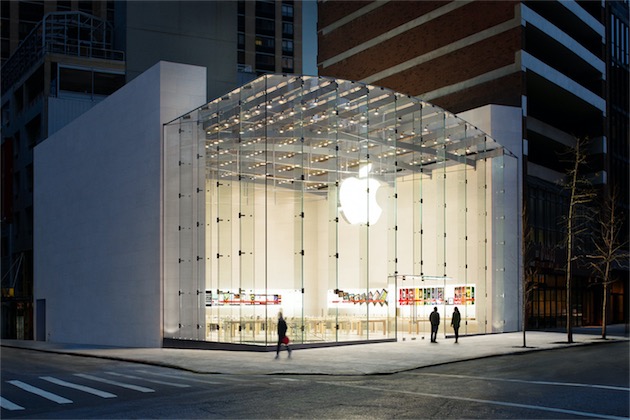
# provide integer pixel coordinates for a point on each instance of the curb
(526, 350)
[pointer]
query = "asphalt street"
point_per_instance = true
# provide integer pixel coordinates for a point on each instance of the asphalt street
(573, 382)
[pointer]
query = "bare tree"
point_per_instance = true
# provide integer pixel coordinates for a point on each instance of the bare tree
(530, 268)
(608, 249)
(580, 195)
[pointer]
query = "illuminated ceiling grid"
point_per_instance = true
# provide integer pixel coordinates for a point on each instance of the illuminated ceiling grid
(305, 129)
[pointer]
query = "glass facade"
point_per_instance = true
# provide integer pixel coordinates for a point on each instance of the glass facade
(352, 209)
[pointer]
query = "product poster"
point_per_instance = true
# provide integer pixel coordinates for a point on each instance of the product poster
(464, 295)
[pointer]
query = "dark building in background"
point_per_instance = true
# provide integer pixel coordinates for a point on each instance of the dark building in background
(64, 64)
(618, 94)
(564, 64)
(60, 58)
(269, 37)
(617, 128)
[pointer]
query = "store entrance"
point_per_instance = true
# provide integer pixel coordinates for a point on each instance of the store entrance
(418, 295)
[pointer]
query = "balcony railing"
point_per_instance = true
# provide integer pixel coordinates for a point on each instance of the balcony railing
(69, 33)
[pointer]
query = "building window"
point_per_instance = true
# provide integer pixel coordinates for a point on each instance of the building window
(265, 44)
(241, 23)
(88, 82)
(287, 64)
(241, 41)
(266, 9)
(618, 41)
(107, 83)
(75, 80)
(287, 12)
(265, 62)
(287, 47)
(287, 29)
(265, 27)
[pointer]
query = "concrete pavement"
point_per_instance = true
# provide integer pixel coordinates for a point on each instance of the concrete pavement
(360, 359)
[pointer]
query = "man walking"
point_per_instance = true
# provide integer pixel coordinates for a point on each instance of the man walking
(282, 335)
(435, 323)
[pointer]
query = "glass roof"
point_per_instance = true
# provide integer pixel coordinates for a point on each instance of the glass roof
(309, 129)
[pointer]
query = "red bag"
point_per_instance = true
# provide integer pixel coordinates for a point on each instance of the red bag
(285, 340)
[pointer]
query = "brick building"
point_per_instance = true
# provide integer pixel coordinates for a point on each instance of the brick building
(563, 64)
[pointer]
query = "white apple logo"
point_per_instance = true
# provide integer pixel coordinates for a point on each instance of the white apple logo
(358, 198)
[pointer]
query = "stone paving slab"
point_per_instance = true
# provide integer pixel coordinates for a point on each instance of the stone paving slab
(360, 359)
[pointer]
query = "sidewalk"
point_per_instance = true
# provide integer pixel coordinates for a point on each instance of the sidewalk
(361, 359)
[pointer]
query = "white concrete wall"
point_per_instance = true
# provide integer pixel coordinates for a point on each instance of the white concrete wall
(504, 124)
(98, 214)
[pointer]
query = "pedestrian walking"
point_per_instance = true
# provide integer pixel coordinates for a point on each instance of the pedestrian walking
(434, 318)
(455, 320)
(282, 335)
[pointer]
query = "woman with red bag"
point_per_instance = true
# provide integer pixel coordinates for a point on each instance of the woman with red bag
(282, 335)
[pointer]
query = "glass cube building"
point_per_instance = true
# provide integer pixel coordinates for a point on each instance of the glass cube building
(352, 209)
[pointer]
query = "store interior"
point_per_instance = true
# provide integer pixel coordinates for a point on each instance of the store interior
(352, 209)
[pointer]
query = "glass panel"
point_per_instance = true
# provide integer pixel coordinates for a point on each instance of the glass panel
(187, 232)
(199, 176)
(331, 325)
(352, 209)
(171, 230)
(481, 243)
(211, 153)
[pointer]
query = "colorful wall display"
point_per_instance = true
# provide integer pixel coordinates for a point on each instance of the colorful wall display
(419, 296)
(230, 298)
(341, 297)
(464, 295)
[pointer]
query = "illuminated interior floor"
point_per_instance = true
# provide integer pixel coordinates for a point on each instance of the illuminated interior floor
(323, 331)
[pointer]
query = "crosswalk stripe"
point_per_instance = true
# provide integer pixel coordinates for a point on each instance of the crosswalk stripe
(150, 380)
(45, 394)
(83, 388)
(8, 405)
(180, 377)
(121, 384)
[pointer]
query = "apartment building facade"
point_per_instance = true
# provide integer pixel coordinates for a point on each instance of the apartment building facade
(564, 65)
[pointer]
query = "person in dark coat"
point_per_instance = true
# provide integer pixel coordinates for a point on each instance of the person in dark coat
(455, 320)
(435, 323)
(282, 333)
